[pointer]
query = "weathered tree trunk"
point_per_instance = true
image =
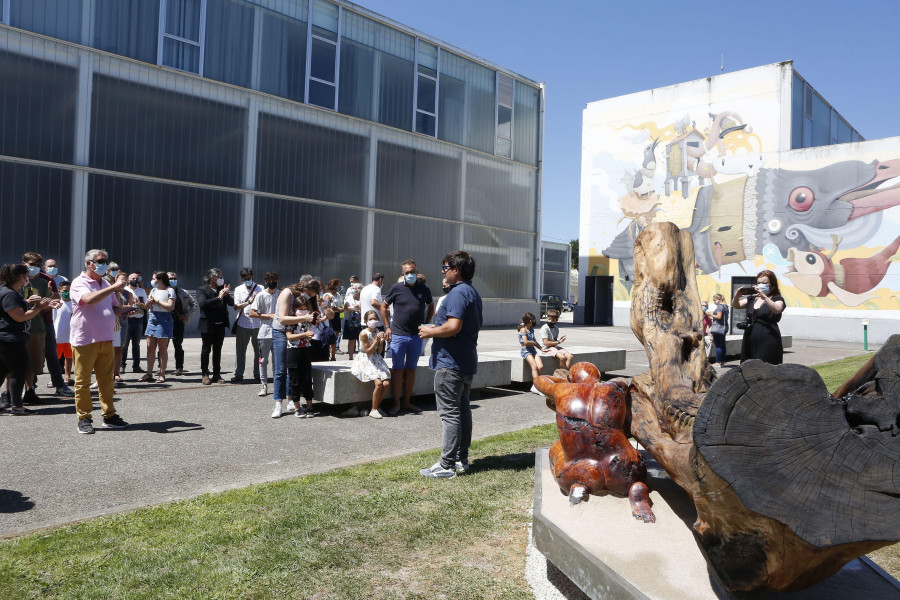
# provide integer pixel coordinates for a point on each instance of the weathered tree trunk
(789, 482)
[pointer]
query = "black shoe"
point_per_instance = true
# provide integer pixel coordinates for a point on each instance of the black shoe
(114, 422)
(85, 426)
(137, 369)
(30, 397)
(21, 411)
(235, 379)
(5, 400)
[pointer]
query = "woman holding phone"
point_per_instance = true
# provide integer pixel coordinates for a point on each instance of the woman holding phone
(764, 304)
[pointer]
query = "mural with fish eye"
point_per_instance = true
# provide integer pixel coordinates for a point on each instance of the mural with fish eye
(825, 220)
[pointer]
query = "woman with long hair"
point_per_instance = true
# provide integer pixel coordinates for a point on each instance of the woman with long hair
(764, 304)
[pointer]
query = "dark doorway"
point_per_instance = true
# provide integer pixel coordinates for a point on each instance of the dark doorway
(598, 300)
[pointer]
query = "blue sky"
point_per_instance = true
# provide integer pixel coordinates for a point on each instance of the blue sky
(587, 51)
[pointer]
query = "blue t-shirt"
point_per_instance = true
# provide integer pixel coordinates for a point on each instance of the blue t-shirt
(458, 352)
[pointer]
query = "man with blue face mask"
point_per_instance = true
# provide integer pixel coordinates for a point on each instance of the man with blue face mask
(246, 328)
(40, 285)
(413, 306)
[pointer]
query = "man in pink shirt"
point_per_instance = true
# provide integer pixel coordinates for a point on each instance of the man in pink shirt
(94, 310)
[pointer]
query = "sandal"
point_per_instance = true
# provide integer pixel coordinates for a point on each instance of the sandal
(145, 378)
(161, 379)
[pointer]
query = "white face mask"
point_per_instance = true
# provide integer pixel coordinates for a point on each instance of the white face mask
(372, 323)
(220, 282)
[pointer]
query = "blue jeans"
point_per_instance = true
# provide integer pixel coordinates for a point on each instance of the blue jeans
(719, 341)
(280, 389)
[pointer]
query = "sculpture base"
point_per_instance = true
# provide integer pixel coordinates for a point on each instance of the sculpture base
(610, 555)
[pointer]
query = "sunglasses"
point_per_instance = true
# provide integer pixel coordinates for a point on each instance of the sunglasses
(102, 261)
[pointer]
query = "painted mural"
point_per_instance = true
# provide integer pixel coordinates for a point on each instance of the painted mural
(826, 221)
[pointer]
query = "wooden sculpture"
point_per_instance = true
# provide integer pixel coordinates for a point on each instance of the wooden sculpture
(593, 455)
(790, 482)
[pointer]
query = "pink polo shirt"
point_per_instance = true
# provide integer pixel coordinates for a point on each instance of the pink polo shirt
(91, 322)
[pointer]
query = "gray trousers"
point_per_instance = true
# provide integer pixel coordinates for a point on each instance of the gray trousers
(242, 337)
(451, 391)
(265, 349)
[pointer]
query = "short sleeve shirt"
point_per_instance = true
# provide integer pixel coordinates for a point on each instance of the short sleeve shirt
(460, 351)
(40, 287)
(266, 303)
(410, 304)
(10, 329)
(369, 293)
(548, 333)
(241, 294)
(129, 294)
(91, 323)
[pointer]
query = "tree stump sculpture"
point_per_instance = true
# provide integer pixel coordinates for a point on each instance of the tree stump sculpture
(790, 482)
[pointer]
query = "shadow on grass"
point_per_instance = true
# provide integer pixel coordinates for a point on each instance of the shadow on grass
(12, 501)
(504, 462)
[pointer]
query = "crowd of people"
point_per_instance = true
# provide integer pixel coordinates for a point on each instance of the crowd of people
(82, 331)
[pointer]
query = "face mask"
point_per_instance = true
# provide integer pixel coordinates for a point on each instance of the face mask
(111, 273)
(173, 282)
(133, 283)
(65, 296)
(409, 278)
(445, 289)
(100, 269)
(220, 282)
(249, 283)
(763, 287)
(341, 289)
(372, 323)
(140, 278)
(51, 271)
(33, 271)
(271, 284)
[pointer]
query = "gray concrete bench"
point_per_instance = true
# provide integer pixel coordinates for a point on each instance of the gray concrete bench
(605, 359)
(733, 344)
(333, 383)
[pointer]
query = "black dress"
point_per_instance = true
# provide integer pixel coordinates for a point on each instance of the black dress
(762, 338)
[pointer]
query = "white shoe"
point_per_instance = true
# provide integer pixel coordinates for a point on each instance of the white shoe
(534, 390)
(95, 385)
(276, 412)
(264, 391)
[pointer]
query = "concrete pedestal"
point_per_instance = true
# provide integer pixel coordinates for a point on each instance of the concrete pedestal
(611, 555)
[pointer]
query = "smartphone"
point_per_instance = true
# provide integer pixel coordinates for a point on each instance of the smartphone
(747, 291)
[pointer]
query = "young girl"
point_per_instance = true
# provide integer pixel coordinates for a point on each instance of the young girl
(530, 346)
(368, 365)
(552, 342)
(61, 319)
(299, 349)
(160, 326)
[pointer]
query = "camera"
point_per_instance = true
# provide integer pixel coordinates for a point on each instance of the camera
(747, 291)
(742, 325)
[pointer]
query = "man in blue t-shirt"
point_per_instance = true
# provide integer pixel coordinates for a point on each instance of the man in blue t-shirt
(411, 300)
(454, 359)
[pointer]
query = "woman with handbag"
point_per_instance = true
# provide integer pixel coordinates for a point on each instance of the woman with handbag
(719, 328)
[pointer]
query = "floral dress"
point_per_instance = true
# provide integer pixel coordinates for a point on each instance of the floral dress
(369, 367)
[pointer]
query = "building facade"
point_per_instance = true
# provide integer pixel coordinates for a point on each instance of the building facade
(765, 175)
(302, 136)
(556, 261)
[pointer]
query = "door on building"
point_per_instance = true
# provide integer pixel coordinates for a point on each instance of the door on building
(598, 300)
(738, 315)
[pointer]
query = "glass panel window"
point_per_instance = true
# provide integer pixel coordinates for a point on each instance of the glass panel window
(181, 55)
(55, 18)
(428, 58)
(324, 55)
(229, 42)
(466, 102)
(526, 131)
(127, 27)
(425, 98)
(821, 116)
(325, 20)
(504, 122)
(797, 112)
(283, 64)
(321, 94)
(425, 123)
(183, 19)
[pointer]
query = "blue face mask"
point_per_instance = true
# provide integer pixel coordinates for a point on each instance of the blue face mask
(33, 271)
(249, 283)
(111, 273)
(409, 278)
(173, 282)
(51, 271)
(100, 269)
(763, 287)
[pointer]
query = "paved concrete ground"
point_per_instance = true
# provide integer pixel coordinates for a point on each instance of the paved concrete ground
(186, 439)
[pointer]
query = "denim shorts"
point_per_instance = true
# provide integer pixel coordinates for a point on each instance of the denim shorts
(405, 351)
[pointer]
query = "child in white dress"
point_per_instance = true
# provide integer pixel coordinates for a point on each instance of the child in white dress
(368, 364)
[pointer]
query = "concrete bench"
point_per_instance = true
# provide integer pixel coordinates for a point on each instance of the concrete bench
(733, 344)
(605, 359)
(333, 383)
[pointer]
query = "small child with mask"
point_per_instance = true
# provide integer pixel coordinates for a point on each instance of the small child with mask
(62, 316)
(368, 364)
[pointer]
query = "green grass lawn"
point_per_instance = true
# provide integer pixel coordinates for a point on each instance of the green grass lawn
(372, 531)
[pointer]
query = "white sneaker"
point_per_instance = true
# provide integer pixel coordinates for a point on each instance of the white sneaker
(276, 412)
(534, 390)
(264, 391)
